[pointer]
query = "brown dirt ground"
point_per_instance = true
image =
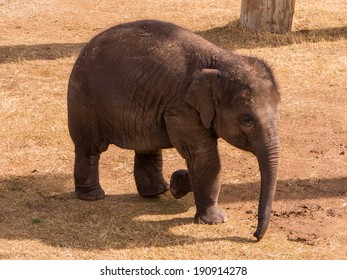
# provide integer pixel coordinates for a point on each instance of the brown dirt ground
(40, 218)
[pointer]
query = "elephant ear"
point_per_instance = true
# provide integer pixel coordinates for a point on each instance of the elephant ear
(201, 95)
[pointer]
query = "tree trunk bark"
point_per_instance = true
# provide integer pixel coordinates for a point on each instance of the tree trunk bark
(275, 16)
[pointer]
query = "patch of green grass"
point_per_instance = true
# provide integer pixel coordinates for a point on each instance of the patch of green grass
(37, 221)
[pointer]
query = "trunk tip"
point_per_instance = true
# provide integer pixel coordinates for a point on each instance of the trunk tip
(259, 234)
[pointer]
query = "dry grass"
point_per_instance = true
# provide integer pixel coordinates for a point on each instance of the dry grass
(41, 219)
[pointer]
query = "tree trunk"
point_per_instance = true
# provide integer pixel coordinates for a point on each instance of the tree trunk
(268, 15)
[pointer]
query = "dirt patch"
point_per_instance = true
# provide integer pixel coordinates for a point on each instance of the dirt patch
(311, 223)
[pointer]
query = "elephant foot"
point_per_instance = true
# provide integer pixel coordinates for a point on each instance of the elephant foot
(152, 190)
(148, 173)
(90, 194)
(180, 183)
(211, 216)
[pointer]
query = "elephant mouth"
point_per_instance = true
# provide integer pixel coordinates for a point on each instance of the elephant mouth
(244, 144)
(241, 142)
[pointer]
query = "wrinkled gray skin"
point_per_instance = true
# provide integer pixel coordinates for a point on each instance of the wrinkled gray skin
(151, 85)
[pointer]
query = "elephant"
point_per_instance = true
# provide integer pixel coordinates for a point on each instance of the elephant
(151, 85)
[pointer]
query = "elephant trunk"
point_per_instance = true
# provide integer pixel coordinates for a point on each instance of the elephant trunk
(267, 153)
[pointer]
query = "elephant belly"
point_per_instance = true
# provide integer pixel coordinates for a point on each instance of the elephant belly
(142, 143)
(139, 135)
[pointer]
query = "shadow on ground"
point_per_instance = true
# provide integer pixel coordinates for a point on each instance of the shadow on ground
(229, 36)
(234, 37)
(52, 51)
(42, 207)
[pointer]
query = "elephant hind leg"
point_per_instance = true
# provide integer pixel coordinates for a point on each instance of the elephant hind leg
(86, 173)
(87, 131)
(148, 172)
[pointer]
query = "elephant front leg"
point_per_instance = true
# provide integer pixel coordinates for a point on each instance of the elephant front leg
(180, 183)
(198, 146)
(148, 172)
(204, 168)
(86, 173)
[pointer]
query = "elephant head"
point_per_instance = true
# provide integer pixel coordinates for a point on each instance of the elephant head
(242, 104)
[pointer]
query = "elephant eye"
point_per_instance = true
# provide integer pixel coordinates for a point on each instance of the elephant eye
(246, 120)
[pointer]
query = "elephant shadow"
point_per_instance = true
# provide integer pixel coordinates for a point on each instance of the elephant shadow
(42, 207)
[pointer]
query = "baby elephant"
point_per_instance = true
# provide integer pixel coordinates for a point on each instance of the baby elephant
(151, 85)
